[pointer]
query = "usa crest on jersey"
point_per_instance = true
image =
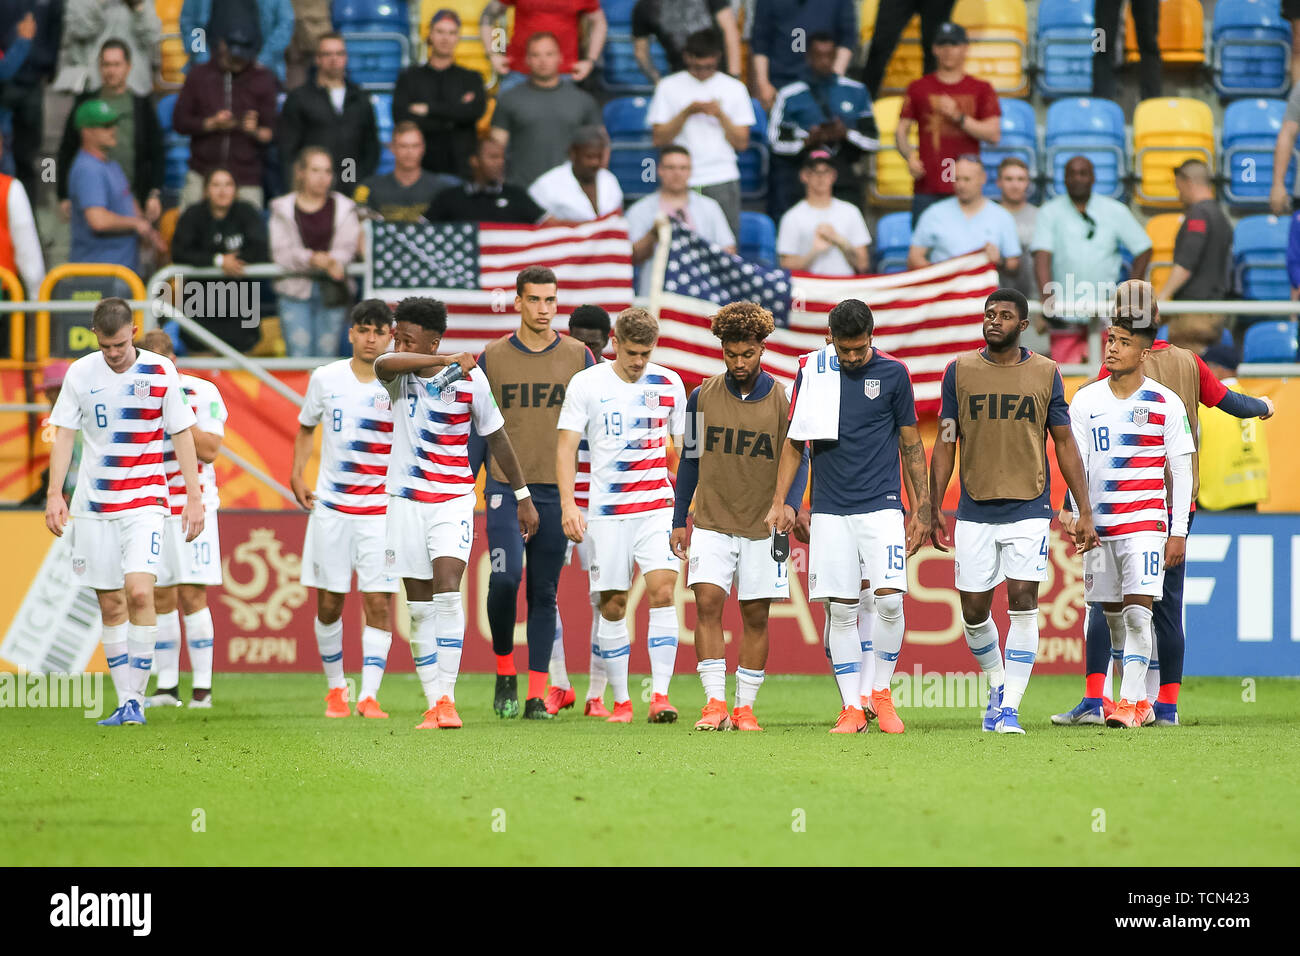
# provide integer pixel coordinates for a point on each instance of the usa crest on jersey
(448, 394)
(651, 398)
(1140, 415)
(871, 387)
(382, 402)
(141, 388)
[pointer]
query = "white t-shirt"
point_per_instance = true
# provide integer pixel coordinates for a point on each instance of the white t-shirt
(123, 418)
(559, 193)
(713, 161)
(798, 230)
(706, 218)
(357, 440)
(627, 426)
(210, 412)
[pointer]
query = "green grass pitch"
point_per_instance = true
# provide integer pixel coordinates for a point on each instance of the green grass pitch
(273, 782)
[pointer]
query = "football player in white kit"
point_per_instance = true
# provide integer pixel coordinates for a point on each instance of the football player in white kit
(186, 569)
(124, 401)
(431, 497)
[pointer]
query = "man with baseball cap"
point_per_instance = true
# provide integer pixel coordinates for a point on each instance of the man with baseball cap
(822, 234)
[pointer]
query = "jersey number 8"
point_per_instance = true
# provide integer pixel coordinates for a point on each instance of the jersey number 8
(338, 419)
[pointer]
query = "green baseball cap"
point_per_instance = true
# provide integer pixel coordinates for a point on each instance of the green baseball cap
(94, 113)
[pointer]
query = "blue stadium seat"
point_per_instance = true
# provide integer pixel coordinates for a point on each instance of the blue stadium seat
(625, 118)
(618, 14)
(1251, 48)
(1259, 257)
(621, 70)
(892, 239)
(631, 153)
(176, 148)
(1019, 138)
(370, 16)
(753, 161)
(375, 59)
(1086, 127)
(1250, 129)
(383, 106)
(1271, 341)
(1224, 339)
(1064, 47)
(757, 238)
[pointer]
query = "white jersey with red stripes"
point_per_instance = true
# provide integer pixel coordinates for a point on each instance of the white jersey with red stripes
(356, 442)
(1126, 444)
(210, 413)
(123, 418)
(627, 426)
(430, 460)
(582, 480)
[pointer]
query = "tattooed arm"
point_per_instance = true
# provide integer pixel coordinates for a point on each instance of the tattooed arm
(913, 451)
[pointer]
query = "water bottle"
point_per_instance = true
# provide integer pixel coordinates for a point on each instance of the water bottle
(450, 375)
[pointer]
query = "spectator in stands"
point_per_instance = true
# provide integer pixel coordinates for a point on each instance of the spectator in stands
(445, 100)
(822, 234)
(228, 233)
(672, 21)
(1283, 150)
(22, 95)
(20, 245)
(316, 230)
(891, 19)
(955, 113)
(1146, 20)
(107, 223)
(1233, 451)
(1013, 188)
(486, 197)
(139, 148)
(567, 22)
(332, 113)
(1202, 270)
(710, 114)
(404, 194)
(780, 33)
(965, 222)
(1291, 11)
(269, 25)
(674, 200)
(227, 108)
(583, 188)
(88, 24)
(1077, 260)
(536, 120)
(824, 110)
(12, 60)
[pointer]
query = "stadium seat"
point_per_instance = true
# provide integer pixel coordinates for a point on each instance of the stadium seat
(383, 107)
(618, 15)
(757, 238)
(67, 334)
(907, 61)
(1271, 341)
(1086, 127)
(631, 153)
(176, 148)
(892, 184)
(1167, 131)
(1064, 47)
(1163, 230)
(172, 49)
(998, 31)
(1250, 129)
(370, 16)
(1181, 36)
(469, 53)
(375, 59)
(753, 161)
(1225, 338)
(1259, 257)
(1019, 138)
(1251, 48)
(892, 240)
(621, 70)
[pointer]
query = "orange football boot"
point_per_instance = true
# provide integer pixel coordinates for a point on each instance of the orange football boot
(560, 698)
(595, 707)
(369, 707)
(851, 721)
(336, 703)
(662, 712)
(1124, 715)
(742, 718)
(886, 717)
(622, 713)
(430, 721)
(714, 716)
(1107, 706)
(1145, 713)
(448, 719)
(869, 710)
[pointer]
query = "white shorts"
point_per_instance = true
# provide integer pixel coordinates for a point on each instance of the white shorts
(988, 554)
(618, 542)
(1133, 565)
(190, 562)
(337, 544)
(418, 532)
(104, 550)
(583, 548)
(720, 559)
(845, 550)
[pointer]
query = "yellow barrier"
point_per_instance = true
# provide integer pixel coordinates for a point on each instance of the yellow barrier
(17, 320)
(83, 270)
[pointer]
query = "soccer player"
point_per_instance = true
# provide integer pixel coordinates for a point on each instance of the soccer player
(185, 570)
(627, 410)
(736, 425)
(1129, 427)
(124, 401)
(345, 532)
(855, 404)
(1001, 402)
(431, 498)
(528, 373)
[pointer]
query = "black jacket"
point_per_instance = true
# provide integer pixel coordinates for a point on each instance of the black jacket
(308, 119)
(456, 102)
(199, 239)
(150, 166)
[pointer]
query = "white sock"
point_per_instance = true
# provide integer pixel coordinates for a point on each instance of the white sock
(846, 653)
(559, 671)
(140, 641)
(374, 658)
(661, 635)
(747, 684)
(614, 651)
(1022, 649)
(167, 652)
(198, 638)
(119, 660)
(1137, 653)
(866, 624)
(596, 689)
(424, 647)
(329, 639)
(888, 637)
(1153, 670)
(713, 675)
(1118, 635)
(982, 639)
(449, 615)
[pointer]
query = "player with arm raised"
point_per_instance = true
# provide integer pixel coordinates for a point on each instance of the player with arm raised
(628, 410)
(430, 526)
(1001, 402)
(855, 404)
(345, 531)
(124, 401)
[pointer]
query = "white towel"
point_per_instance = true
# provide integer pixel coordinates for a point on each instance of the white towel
(817, 405)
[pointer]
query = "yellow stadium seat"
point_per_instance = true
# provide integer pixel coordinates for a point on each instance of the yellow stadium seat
(998, 31)
(1167, 131)
(1182, 33)
(1163, 230)
(470, 52)
(908, 62)
(174, 55)
(892, 185)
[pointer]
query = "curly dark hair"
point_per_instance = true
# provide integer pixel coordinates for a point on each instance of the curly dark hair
(741, 321)
(429, 314)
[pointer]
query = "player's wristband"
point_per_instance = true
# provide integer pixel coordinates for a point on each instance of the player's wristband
(522, 493)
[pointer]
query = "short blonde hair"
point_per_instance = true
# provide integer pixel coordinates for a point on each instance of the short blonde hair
(156, 340)
(637, 326)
